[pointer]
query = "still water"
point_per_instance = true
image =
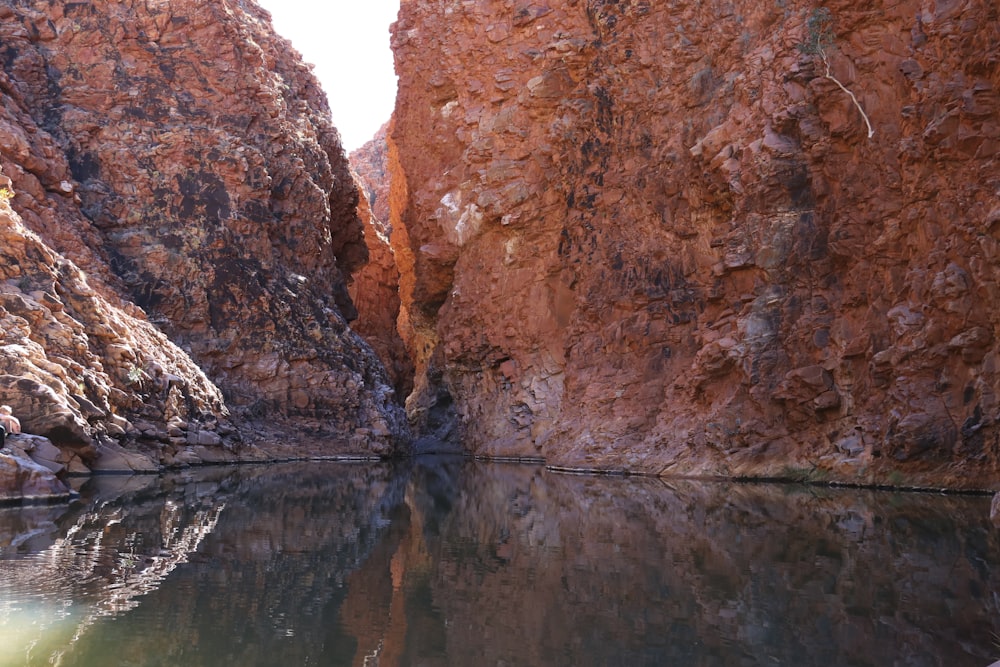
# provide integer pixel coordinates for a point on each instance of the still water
(451, 562)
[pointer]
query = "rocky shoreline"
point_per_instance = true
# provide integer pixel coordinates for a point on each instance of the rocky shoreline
(30, 472)
(178, 228)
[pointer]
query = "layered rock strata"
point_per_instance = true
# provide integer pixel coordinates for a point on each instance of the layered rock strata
(177, 160)
(657, 236)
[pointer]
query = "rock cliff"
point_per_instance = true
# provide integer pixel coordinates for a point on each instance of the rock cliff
(176, 171)
(658, 236)
(371, 164)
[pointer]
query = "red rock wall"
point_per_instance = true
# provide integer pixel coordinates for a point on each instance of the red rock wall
(182, 155)
(655, 237)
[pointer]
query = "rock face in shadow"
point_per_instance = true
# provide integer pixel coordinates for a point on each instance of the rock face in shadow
(73, 367)
(657, 237)
(179, 157)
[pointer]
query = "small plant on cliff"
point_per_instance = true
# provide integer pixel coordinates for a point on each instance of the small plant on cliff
(819, 39)
(6, 194)
(134, 375)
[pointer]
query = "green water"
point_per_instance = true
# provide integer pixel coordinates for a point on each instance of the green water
(445, 562)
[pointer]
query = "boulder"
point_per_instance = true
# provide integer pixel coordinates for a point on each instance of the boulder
(23, 480)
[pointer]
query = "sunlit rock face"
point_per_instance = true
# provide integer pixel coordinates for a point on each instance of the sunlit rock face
(657, 236)
(371, 164)
(375, 287)
(180, 157)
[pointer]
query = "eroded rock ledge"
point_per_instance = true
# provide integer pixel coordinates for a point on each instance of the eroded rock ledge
(656, 237)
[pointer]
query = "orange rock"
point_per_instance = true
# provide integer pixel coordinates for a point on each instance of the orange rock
(375, 288)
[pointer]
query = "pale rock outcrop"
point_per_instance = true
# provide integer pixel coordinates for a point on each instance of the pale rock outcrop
(23, 480)
(71, 360)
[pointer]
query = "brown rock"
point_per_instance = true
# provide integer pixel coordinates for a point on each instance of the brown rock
(112, 458)
(57, 328)
(371, 166)
(375, 287)
(43, 452)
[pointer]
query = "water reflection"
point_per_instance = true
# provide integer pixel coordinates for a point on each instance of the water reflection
(43, 587)
(457, 563)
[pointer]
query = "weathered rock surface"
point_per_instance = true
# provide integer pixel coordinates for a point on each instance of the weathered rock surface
(375, 287)
(22, 479)
(72, 358)
(655, 236)
(371, 164)
(178, 157)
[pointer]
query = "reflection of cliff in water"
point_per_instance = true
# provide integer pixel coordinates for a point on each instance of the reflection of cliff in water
(98, 559)
(527, 567)
(280, 543)
(456, 563)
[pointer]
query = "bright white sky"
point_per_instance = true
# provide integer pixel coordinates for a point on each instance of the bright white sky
(348, 42)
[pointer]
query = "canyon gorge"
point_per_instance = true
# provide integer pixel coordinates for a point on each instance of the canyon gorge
(607, 235)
